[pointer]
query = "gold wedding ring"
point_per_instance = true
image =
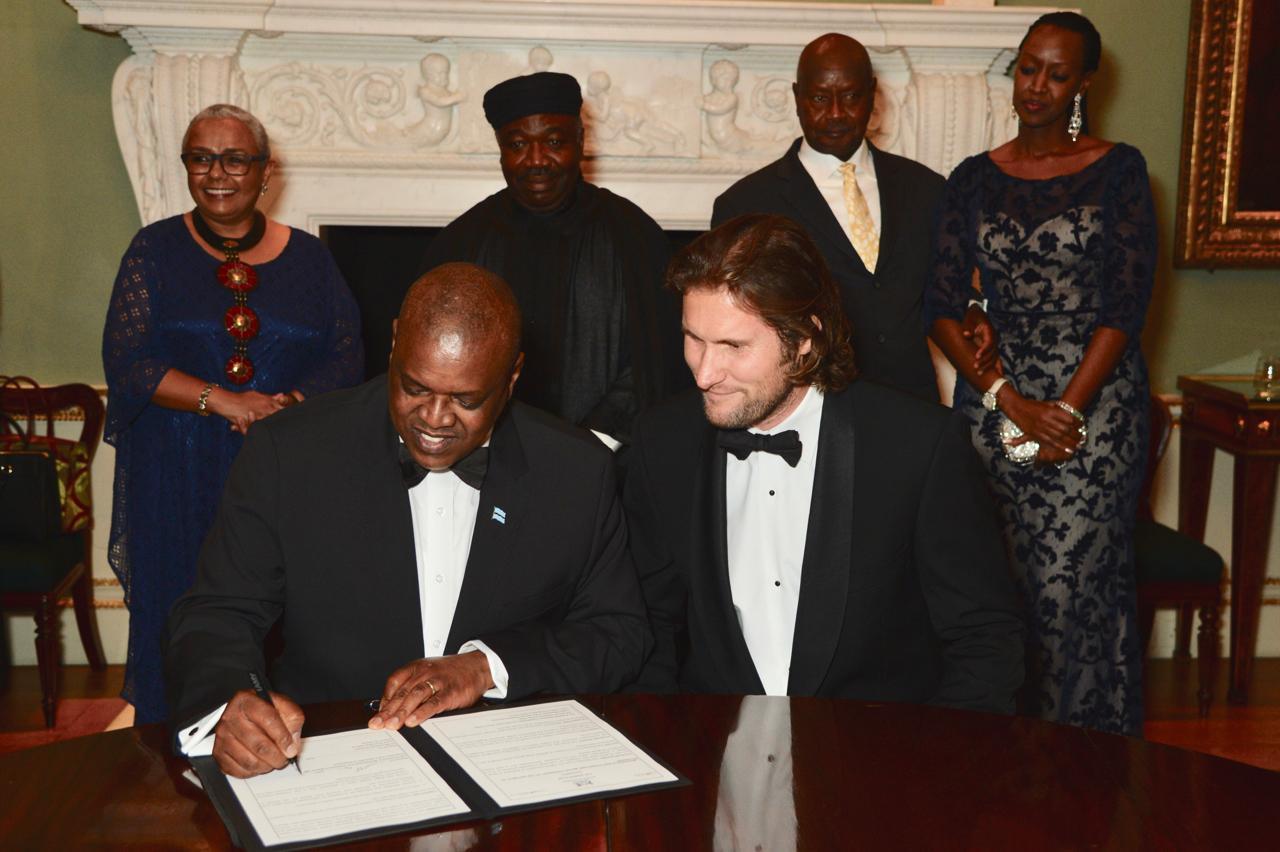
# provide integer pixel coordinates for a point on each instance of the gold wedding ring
(433, 690)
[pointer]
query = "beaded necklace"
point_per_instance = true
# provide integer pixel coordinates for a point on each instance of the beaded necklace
(240, 278)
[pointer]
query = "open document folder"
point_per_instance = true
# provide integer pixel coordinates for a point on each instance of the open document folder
(479, 764)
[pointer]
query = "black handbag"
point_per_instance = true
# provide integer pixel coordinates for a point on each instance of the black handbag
(30, 507)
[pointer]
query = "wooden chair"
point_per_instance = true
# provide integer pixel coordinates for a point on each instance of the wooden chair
(1175, 570)
(35, 575)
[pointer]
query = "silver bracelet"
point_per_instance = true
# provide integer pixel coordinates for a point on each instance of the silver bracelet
(202, 405)
(1074, 412)
(1070, 409)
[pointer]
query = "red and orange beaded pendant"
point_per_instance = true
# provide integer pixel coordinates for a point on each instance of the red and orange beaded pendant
(240, 278)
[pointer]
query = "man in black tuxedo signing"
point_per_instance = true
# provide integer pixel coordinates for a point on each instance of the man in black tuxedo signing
(870, 212)
(419, 538)
(800, 532)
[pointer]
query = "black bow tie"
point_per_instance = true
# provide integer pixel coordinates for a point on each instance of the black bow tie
(470, 469)
(742, 443)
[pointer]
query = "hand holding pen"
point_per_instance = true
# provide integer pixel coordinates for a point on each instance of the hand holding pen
(260, 691)
(258, 732)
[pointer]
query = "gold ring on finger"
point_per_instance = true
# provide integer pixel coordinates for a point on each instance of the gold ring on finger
(433, 689)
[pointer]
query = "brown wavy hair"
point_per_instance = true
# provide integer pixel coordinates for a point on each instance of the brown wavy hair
(772, 268)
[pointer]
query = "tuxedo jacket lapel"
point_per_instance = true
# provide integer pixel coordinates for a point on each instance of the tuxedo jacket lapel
(825, 571)
(493, 542)
(710, 595)
(388, 550)
(811, 209)
(892, 205)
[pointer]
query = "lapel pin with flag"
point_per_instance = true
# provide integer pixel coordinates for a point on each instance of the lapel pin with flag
(499, 515)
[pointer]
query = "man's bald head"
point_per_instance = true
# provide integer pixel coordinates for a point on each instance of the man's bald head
(464, 304)
(835, 93)
(833, 49)
(455, 359)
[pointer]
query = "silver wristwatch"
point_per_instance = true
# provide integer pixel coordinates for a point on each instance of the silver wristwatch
(989, 398)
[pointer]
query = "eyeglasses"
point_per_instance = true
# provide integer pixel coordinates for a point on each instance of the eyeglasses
(233, 162)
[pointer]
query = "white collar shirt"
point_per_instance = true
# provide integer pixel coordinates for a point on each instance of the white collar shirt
(824, 169)
(767, 520)
(444, 518)
(444, 510)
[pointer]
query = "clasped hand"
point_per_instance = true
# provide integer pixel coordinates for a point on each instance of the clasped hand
(243, 408)
(1046, 423)
(254, 737)
(1057, 432)
(977, 329)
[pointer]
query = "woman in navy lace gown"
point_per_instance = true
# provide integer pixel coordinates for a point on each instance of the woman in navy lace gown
(218, 318)
(1061, 229)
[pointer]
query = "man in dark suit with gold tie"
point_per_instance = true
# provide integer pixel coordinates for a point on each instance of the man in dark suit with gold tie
(800, 531)
(870, 212)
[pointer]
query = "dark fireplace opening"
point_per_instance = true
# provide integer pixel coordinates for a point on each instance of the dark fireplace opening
(379, 262)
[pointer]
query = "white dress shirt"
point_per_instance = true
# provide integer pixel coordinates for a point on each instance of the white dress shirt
(444, 517)
(755, 802)
(444, 509)
(767, 520)
(825, 171)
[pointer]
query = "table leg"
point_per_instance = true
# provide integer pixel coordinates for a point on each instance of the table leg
(1253, 500)
(1195, 471)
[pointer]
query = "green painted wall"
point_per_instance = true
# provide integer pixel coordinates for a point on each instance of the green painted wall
(1198, 318)
(68, 210)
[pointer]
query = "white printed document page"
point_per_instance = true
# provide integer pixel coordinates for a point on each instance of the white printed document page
(352, 781)
(543, 752)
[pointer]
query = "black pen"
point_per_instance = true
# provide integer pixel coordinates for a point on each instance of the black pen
(262, 693)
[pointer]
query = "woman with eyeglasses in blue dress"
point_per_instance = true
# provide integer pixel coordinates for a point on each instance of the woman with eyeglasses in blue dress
(219, 317)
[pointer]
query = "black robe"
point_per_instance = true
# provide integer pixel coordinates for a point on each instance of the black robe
(599, 335)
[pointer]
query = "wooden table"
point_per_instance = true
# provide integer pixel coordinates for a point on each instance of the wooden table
(1220, 412)
(820, 773)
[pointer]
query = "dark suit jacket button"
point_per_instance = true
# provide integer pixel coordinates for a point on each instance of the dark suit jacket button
(876, 285)
(880, 339)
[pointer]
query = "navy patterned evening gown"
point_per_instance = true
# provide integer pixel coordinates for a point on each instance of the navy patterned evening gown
(166, 311)
(1058, 258)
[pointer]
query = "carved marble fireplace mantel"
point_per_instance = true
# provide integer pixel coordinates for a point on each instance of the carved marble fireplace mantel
(374, 106)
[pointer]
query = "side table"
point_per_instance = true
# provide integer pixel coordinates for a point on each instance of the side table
(1221, 412)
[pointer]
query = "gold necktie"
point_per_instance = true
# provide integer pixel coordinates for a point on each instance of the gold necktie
(862, 229)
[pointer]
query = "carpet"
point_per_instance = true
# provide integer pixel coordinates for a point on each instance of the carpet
(77, 717)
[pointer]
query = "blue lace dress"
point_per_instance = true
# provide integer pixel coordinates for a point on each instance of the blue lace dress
(1058, 258)
(166, 312)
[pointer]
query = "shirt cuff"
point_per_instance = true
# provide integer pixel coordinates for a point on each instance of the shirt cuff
(608, 440)
(982, 303)
(197, 740)
(496, 669)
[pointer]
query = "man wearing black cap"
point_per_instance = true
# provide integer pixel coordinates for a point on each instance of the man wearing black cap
(586, 265)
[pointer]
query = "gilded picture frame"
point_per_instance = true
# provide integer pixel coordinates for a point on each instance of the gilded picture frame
(1229, 186)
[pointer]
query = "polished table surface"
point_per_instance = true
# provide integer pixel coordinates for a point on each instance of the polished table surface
(767, 773)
